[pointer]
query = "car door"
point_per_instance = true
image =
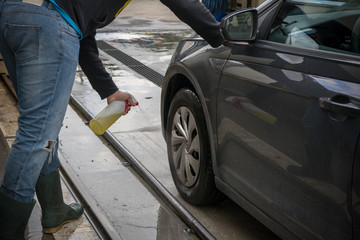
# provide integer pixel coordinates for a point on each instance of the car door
(288, 118)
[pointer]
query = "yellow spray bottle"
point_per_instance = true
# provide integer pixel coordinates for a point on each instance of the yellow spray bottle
(112, 112)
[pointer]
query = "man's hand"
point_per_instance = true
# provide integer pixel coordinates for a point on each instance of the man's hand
(122, 96)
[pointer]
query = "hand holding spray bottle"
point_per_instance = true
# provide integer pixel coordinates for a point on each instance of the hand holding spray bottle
(112, 112)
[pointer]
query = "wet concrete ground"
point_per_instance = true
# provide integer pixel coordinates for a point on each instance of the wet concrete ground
(126, 201)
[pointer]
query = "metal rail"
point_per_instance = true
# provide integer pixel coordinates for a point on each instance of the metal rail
(97, 219)
(94, 221)
(164, 194)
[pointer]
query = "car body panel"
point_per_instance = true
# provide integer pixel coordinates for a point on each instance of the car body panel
(263, 105)
(269, 117)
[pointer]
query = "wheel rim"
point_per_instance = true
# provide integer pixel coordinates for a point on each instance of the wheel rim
(185, 144)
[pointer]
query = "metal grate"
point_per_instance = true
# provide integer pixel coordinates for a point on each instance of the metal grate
(132, 63)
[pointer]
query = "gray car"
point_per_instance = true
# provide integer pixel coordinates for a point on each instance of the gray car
(272, 119)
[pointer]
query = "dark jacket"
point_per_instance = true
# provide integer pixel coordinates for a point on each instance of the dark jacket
(90, 15)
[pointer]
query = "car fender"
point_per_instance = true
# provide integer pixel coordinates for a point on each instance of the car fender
(174, 72)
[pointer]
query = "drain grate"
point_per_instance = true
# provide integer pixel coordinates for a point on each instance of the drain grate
(132, 63)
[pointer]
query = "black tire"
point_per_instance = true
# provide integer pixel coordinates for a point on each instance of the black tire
(189, 151)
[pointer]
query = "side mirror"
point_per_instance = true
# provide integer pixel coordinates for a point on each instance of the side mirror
(240, 25)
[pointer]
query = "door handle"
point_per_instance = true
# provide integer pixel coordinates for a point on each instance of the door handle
(340, 104)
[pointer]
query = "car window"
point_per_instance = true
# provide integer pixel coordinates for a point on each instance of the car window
(317, 24)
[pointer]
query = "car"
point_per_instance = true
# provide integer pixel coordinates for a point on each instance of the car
(271, 119)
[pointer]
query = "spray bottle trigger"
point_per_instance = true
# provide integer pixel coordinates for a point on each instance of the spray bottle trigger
(127, 105)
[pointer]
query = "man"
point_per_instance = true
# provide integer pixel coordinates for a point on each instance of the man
(42, 41)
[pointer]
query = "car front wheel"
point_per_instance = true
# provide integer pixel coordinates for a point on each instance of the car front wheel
(189, 151)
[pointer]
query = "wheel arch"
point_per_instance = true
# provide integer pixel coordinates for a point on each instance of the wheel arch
(178, 77)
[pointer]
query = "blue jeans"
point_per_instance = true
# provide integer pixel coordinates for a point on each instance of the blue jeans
(40, 51)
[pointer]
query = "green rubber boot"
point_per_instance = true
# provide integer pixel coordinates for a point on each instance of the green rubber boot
(14, 216)
(55, 213)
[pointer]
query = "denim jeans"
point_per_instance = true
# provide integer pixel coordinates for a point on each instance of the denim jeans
(40, 51)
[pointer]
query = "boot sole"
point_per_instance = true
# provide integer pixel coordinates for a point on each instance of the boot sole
(57, 228)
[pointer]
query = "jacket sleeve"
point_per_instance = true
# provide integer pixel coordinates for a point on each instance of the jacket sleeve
(93, 68)
(199, 18)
